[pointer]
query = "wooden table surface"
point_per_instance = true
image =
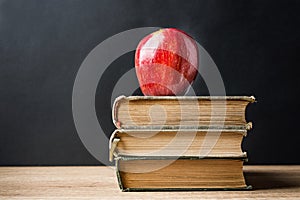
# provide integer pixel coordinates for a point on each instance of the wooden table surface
(269, 182)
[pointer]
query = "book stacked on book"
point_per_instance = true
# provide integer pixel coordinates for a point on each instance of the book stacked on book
(180, 143)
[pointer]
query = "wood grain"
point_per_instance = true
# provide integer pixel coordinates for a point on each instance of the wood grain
(269, 182)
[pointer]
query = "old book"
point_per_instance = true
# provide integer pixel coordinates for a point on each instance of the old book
(185, 173)
(167, 112)
(180, 143)
(173, 142)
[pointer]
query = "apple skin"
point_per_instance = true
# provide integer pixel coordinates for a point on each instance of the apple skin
(166, 62)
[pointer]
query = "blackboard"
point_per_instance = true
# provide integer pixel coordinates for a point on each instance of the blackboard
(255, 45)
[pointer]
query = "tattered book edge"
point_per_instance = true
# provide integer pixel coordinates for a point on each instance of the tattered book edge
(113, 141)
(212, 127)
(250, 99)
(127, 157)
(120, 183)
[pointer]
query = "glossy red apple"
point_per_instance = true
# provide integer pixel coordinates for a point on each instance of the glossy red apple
(166, 62)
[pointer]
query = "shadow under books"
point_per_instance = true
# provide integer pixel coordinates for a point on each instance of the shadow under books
(271, 180)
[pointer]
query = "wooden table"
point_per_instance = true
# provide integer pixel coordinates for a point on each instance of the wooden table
(271, 182)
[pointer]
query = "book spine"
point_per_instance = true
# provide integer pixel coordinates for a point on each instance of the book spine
(119, 178)
(115, 109)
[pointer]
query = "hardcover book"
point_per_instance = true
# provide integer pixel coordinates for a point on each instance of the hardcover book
(169, 112)
(180, 173)
(185, 142)
(180, 143)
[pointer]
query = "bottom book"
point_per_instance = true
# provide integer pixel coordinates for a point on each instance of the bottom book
(180, 173)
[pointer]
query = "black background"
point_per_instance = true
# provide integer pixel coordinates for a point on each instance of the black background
(255, 45)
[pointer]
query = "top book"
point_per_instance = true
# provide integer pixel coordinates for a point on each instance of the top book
(173, 112)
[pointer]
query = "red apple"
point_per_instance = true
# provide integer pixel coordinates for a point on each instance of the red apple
(166, 62)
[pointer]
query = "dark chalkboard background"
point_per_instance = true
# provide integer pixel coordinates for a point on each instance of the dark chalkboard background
(255, 44)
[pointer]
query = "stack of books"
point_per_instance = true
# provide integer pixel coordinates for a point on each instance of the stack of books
(180, 143)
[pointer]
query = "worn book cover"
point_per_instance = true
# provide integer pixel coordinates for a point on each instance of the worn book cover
(169, 112)
(185, 173)
(180, 143)
(184, 142)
